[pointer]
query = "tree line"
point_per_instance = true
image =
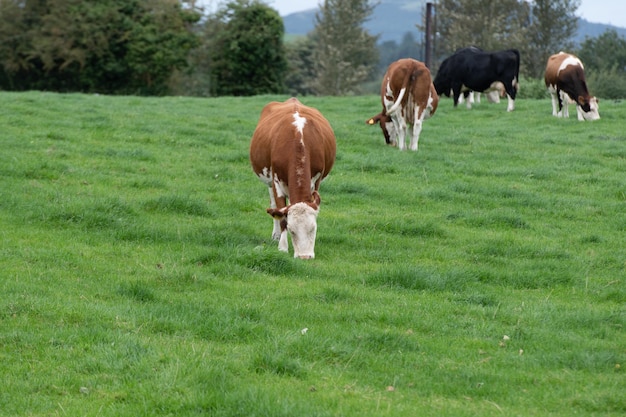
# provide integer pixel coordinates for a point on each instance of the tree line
(158, 47)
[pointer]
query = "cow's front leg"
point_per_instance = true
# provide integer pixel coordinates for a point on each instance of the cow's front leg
(283, 243)
(555, 105)
(511, 105)
(469, 99)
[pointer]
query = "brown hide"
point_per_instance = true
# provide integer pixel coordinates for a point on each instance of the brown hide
(292, 156)
(570, 80)
(415, 77)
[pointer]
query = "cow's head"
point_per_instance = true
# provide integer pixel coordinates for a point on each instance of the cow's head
(442, 84)
(385, 125)
(587, 108)
(300, 219)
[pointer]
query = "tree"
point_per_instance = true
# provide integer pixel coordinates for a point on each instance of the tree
(604, 58)
(248, 55)
(552, 25)
(488, 24)
(301, 67)
(391, 51)
(345, 54)
(537, 28)
(106, 46)
(604, 52)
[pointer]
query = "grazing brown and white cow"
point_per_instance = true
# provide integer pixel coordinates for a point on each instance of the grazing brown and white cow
(408, 97)
(292, 150)
(565, 80)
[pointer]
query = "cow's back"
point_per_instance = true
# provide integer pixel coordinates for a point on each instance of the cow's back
(564, 67)
(287, 129)
(552, 68)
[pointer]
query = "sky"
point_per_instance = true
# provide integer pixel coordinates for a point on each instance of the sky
(596, 11)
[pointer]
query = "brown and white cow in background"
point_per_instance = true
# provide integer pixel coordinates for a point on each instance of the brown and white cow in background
(493, 94)
(292, 150)
(565, 80)
(408, 97)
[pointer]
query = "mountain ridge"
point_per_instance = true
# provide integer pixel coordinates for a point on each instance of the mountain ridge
(393, 21)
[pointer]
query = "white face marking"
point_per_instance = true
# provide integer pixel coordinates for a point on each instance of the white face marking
(593, 113)
(302, 225)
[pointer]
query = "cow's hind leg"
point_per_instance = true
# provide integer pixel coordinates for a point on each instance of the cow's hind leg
(417, 129)
(418, 116)
(400, 128)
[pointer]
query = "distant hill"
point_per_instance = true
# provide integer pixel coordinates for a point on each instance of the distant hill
(394, 18)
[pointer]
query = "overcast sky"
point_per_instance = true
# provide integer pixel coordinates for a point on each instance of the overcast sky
(597, 11)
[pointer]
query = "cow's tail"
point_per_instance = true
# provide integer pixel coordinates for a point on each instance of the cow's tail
(409, 79)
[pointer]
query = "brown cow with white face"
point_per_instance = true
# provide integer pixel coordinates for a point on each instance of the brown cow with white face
(408, 97)
(565, 80)
(292, 150)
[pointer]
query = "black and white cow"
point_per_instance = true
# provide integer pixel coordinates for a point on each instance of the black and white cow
(472, 69)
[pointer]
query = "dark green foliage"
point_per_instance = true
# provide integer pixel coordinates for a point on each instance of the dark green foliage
(537, 29)
(605, 64)
(551, 27)
(488, 24)
(248, 56)
(301, 66)
(606, 52)
(103, 46)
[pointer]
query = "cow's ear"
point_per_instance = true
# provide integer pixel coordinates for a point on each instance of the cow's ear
(316, 199)
(278, 214)
(374, 120)
(581, 100)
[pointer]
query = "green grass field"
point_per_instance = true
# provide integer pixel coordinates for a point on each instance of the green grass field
(481, 276)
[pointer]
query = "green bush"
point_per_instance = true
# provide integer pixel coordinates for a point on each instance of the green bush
(534, 88)
(607, 83)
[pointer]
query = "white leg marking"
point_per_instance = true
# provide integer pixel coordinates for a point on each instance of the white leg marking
(511, 105)
(417, 127)
(276, 228)
(283, 243)
(555, 104)
(400, 126)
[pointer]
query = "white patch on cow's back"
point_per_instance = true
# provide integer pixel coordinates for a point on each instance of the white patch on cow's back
(570, 60)
(299, 122)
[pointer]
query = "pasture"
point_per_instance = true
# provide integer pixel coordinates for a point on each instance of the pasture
(484, 275)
